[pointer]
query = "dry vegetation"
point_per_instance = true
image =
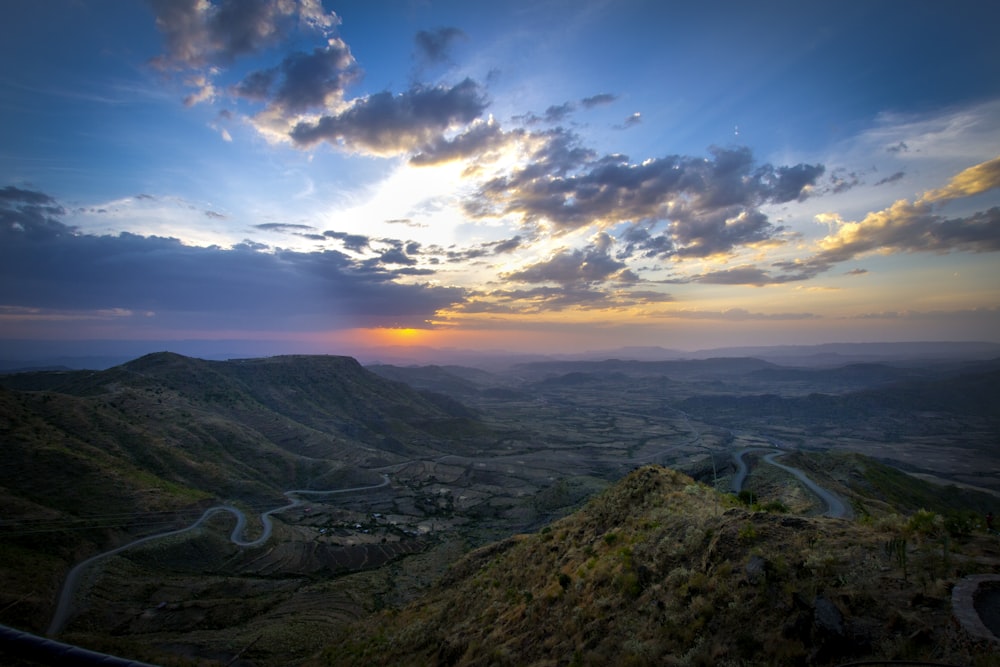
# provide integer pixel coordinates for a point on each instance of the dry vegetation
(661, 570)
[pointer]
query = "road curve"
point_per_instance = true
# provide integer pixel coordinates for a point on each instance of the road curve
(740, 478)
(72, 581)
(836, 508)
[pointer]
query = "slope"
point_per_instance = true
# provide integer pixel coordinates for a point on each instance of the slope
(93, 459)
(658, 570)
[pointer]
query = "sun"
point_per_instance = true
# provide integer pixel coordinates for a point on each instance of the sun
(399, 335)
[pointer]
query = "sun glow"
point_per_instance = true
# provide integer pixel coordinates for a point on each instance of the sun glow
(399, 336)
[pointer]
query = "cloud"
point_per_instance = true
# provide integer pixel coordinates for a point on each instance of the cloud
(355, 242)
(283, 227)
(972, 181)
(891, 179)
(631, 121)
(842, 181)
(699, 206)
(587, 266)
(387, 124)
(539, 300)
(303, 81)
(30, 214)
(917, 226)
(47, 265)
(199, 33)
(740, 275)
(558, 113)
(11, 196)
(598, 100)
(740, 315)
(907, 226)
(480, 139)
(479, 250)
(434, 46)
(508, 245)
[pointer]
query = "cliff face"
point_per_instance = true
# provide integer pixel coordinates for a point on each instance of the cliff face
(659, 570)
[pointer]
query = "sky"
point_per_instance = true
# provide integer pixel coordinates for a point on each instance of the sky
(533, 176)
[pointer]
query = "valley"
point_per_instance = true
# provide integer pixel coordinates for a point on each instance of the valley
(375, 481)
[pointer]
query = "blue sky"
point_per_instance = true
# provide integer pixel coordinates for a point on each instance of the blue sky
(534, 176)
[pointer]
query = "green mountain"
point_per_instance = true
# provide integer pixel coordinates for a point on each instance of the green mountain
(93, 459)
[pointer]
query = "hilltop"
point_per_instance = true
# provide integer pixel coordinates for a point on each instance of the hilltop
(659, 570)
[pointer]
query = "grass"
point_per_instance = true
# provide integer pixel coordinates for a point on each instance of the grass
(651, 573)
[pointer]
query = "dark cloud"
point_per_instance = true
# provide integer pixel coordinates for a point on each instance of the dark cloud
(481, 138)
(555, 299)
(631, 121)
(303, 80)
(587, 266)
(214, 215)
(705, 206)
(891, 179)
(481, 250)
(434, 46)
(29, 214)
(200, 33)
(743, 275)
(901, 147)
(856, 272)
(257, 85)
(598, 100)
(396, 256)
(788, 183)
(283, 227)
(535, 300)
(842, 181)
(557, 114)
(11, 195)
(388, 124)
(509, 245)
(355, 242)
(47, 265)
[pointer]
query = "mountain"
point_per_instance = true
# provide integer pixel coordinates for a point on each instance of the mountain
(659, 570)
(158, 439)
(971, 394)
(711, 367)
(839, 354)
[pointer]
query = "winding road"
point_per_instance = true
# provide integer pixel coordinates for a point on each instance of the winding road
(835, 506)
(65, 607)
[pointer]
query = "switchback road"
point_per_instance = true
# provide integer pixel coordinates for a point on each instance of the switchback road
(65, 606)
(835, 507)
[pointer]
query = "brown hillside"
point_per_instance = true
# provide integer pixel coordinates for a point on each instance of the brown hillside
(658, 570)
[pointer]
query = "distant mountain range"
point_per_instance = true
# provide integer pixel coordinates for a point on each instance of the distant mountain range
(18, 355)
